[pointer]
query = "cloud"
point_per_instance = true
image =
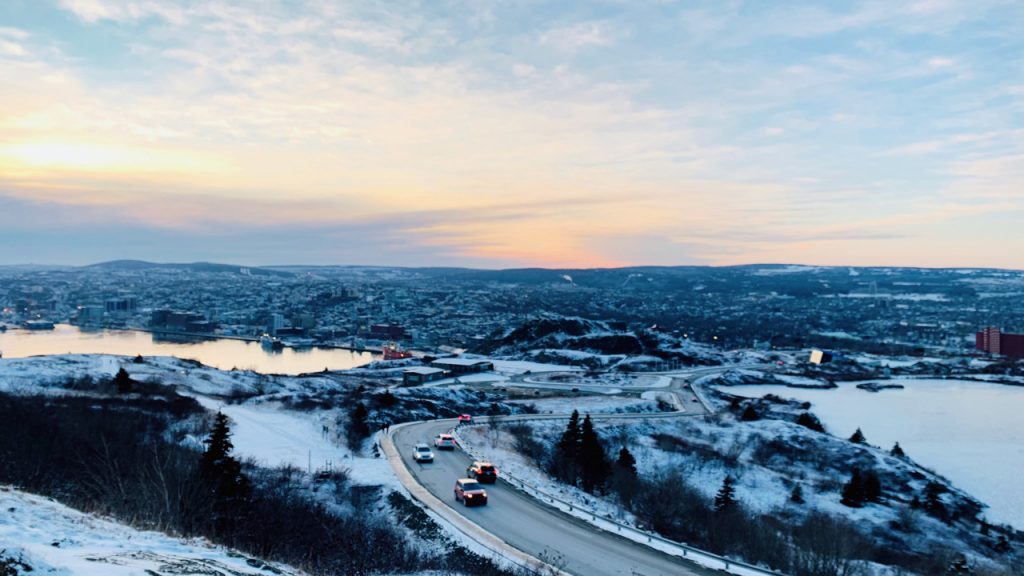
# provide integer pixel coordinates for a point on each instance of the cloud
(16, 33)
(93, 11)
(608, 137)
(579, 36)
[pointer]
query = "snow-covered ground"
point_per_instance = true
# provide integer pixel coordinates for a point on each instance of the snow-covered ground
(54, 539)
(516, 367)
(612, 379)
(968, 431)
(497, 447)
(591, 404)
(32, 375)
(273, 437)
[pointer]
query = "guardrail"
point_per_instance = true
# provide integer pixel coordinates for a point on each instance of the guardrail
(610, 524)
(468, 528)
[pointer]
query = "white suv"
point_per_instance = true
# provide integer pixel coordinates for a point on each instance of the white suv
(422, 453)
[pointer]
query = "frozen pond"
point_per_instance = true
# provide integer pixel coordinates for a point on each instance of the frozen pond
(223, 354)
(970, 432)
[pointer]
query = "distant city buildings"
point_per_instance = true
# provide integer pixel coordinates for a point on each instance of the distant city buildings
(387, 332)
(994, 341)
(170, 320)
(820, 357)
(122, 305)
(276, 323)
(457, 366)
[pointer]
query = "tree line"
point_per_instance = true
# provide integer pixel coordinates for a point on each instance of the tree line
(122, 456)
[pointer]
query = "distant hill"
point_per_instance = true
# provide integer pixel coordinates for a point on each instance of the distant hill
(208, 267)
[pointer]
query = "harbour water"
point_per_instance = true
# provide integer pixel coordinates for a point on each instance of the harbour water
(219, 353)
(970, 432)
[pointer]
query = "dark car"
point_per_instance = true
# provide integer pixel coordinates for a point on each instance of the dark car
(483, 472)
(470, 492)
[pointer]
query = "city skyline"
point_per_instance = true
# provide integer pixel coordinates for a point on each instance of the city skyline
(499, 136)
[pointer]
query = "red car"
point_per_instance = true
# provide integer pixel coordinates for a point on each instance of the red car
(465, 418)
(470, 492)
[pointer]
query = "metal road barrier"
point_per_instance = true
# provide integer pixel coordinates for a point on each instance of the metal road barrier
(461, 523)
(608, 523)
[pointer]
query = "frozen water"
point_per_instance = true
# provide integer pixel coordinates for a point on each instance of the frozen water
(970, 432)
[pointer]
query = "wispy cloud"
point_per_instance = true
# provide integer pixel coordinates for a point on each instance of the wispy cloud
(582, 35)
(710, 133)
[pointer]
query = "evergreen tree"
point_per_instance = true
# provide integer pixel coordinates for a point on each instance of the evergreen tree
(593, 464)
(725, 500)
(358, 429)
(386, 399)
(565, 460)
(858, 437)
(932, 500)
(624, 476)
(626, 462)
(222, 473)
(797, 496)
(872, 487)
(1002, 545)
(750, 414)
(218, 447)
(123, 381)
(897, 451)
(853, 491)
(808, 420)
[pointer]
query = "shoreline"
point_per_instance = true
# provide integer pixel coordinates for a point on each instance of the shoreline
(199, 336)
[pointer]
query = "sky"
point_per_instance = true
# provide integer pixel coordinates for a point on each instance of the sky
(498, 134)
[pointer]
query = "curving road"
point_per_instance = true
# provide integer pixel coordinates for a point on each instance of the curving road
(527, 524)
(515, 519)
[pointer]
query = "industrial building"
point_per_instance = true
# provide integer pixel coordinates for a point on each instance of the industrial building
(387, 332)
(995, 341)
(173, 321)
(463, 365)
(422, 375)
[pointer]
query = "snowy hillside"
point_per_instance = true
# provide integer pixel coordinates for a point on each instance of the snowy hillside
(51, 538)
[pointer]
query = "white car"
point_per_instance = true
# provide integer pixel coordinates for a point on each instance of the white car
(422, 453)
(444, 442)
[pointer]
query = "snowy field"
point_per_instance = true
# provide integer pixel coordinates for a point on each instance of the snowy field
(969, 432)
(57, 540)
(273, 437)
(591, 404)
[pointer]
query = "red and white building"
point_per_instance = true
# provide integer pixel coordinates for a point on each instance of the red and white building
(995, 341)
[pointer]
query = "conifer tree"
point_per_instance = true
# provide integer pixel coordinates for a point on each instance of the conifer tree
(123, 381)
(565, 460)
(358, 429)
(624, 476)
(749, 414)
(797, 496)
(808, 420)
(872, 487)
(858, 437)
(725, 500)
(626, 462)
(932, 502)
(222, 473)
(593, 464)
(853, 491)
(897, 451)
